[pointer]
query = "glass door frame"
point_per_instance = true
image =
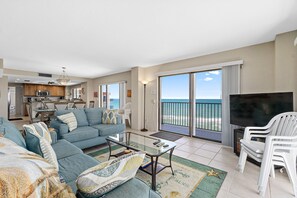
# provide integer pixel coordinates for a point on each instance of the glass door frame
(192, 101)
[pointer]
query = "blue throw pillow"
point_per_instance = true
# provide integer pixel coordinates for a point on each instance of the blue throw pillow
(79, 114)
(33, 144)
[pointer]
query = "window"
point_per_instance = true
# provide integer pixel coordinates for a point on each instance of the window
(112, 96)
(76, 93)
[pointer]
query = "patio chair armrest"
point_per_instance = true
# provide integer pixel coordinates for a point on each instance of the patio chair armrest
(251, 132)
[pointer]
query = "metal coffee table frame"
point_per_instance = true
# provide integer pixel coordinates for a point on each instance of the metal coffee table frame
(154, 167)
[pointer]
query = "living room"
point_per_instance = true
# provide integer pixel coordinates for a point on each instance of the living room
(254, 59)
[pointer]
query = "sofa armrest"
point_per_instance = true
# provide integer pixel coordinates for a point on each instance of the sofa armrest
(60, 127)
(54, 136)
(119, 118)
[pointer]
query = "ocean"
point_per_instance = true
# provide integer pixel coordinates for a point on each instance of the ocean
(176, 112)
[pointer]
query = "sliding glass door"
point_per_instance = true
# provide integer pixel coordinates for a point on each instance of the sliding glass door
(190, 104)
(208, 105)
(175, 103)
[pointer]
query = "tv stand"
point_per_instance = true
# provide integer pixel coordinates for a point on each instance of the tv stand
(238, 135)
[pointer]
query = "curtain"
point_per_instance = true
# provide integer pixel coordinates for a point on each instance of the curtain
(230, 85)
(122, 95)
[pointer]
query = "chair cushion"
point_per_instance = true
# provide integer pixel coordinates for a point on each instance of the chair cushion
(79, 114)
(94, 115)
(106, 176)
(63, 149)
(110, 116)
(71, 167)
(69, 119)
(81, 133)
(108, 129)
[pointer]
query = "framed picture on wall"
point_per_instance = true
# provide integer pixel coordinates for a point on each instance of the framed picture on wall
(129, 93)
(96, 94)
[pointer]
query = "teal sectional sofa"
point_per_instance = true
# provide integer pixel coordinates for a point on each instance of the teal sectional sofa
(72, 162)
(90, 131)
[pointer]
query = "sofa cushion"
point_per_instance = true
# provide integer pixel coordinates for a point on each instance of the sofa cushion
(138, 187)
(69, 119)
(81, 133)
(79, 114)
(64, 149)
(71, 167)
(94, 115)
(11, 132)
(108, 129)
(104, 177)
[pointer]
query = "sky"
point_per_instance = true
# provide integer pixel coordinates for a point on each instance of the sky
(208, 85)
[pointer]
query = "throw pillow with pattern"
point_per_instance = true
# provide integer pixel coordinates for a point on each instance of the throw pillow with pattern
(69, 119)
(106, 176)
(110, 116)
(40, 130)
(39, 144)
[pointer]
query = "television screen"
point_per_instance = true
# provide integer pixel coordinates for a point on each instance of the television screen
(258, 109)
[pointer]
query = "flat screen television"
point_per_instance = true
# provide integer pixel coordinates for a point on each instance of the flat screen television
(258, 109)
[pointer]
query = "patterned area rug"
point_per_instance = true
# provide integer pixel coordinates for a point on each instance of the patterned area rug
(190, 179)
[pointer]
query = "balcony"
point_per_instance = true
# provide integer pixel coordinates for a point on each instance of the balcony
(175, 117)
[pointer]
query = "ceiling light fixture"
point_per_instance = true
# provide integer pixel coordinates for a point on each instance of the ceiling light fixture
(63, 78)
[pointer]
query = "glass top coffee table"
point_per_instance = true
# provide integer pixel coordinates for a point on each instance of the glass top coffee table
(146, 144)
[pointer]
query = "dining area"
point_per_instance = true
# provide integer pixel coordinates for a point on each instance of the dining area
(44, 111)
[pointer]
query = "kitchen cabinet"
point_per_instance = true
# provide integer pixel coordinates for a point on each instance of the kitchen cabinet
(29, 89)
(55, 91)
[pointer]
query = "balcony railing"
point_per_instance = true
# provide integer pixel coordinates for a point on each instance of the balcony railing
(208, 115)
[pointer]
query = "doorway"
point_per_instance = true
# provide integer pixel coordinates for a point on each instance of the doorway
(191, 104)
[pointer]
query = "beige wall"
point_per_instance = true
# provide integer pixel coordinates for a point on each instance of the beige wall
(286, 63)
(257, 73)
(3, 94)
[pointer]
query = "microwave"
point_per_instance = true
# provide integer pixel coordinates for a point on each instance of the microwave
(40, 93)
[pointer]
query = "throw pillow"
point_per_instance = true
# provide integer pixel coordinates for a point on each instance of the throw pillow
(106, 176)
(40, 130)
(40, 145)
(70, 120)
(110, 116)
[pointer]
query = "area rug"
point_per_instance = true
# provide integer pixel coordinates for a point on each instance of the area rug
(190, 179)
(167, 136)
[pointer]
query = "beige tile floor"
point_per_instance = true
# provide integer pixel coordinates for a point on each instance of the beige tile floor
(236, 184)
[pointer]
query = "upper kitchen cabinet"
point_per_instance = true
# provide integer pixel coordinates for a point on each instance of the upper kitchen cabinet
(30, 89)
(42, 88)
(55, 91)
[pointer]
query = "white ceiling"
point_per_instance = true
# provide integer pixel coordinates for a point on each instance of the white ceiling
(98, 37)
